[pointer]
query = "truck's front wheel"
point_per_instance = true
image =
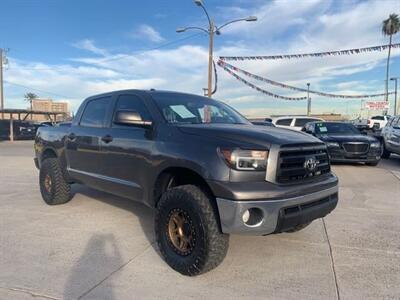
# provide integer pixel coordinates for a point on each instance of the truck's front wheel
(187, 231)
(53, 186)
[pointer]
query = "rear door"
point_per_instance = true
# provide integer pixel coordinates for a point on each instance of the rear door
(128, 151)
(84, 139)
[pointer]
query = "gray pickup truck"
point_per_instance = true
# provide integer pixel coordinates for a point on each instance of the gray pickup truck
(206, 170)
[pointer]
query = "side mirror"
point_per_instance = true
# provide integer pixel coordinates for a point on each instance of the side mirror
(131, 118)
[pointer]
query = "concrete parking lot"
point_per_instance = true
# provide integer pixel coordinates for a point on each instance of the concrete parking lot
(99, 246)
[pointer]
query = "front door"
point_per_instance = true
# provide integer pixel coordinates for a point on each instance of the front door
(128, 150)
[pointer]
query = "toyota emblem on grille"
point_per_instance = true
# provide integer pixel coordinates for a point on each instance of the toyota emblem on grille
(310, 164)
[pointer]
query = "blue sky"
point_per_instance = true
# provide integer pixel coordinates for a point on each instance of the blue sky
(68, 50)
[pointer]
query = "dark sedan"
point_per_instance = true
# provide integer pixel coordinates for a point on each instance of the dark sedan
(345, 142)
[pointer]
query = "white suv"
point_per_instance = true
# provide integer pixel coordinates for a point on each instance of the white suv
(295, 123)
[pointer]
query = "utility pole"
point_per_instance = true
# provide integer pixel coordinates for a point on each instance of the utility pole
(308, 100)
(1, 84)
(395, 93)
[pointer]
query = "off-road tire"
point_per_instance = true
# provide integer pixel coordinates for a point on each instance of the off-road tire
(298, 228)
(60, 189)
(372, 164)
(210, 245)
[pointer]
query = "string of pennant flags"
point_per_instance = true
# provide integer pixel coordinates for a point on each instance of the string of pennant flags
(226, 66)
(315, 54)
(253, 86)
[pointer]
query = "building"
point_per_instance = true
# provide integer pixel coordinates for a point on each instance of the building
(48, 105)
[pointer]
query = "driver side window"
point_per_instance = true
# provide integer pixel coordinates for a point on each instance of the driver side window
(132, 103)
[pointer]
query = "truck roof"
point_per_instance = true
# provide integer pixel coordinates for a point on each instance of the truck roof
(140, 91)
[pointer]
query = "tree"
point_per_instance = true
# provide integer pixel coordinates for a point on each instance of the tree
(390, 27)
(29, 97)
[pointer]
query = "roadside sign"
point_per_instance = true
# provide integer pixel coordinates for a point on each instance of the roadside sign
(377, 105)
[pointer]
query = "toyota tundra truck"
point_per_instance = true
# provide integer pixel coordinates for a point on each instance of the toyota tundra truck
(206, 170)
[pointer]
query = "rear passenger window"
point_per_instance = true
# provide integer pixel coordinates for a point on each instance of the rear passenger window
(95, 113)
(133, 103)
(284, 122)
(300, 122)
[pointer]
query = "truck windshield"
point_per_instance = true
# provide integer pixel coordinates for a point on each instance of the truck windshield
(336, 128)
(181, 109)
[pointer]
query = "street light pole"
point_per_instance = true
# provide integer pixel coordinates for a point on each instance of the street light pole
(212, 29)
(308, 100)
(395, 94)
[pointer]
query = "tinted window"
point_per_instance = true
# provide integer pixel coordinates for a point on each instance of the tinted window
(181, 108)
(284, 122)
(335, 128)
(132, 102)
(95, 113)
(300, 122)
(381, 118)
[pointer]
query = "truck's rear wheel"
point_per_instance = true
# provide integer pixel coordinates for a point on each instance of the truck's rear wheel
(53, 186)
(187, 231)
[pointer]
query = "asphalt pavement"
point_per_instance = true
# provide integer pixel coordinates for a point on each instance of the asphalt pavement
(99, 246)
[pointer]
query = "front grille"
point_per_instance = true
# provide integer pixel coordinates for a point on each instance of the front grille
(292, 165)
(355, 147)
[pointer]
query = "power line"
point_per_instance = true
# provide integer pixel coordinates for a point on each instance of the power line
(137, 52)
(154, 48)
(35, 89)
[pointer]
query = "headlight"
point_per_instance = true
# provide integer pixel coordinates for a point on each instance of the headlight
(245, 160)
(375, 145)
(332, 144)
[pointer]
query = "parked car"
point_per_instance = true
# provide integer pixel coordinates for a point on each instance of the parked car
(361, 124)
(23, 130)
(263, 123)
(378, 122)
(206, 169)
(391, 137)
(294, 122)
(346, 143)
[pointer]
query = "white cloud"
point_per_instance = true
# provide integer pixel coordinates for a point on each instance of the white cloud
(89, 45)
(147, 32)
(316, 26)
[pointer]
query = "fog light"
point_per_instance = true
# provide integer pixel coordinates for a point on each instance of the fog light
(253, 217)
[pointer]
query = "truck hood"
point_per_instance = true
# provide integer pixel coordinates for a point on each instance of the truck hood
(249, 134)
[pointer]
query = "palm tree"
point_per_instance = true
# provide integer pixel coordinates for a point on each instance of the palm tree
(29, 97)
(390, 27)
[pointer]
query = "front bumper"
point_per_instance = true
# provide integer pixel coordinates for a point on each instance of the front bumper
(339, 155)
(272, 216)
